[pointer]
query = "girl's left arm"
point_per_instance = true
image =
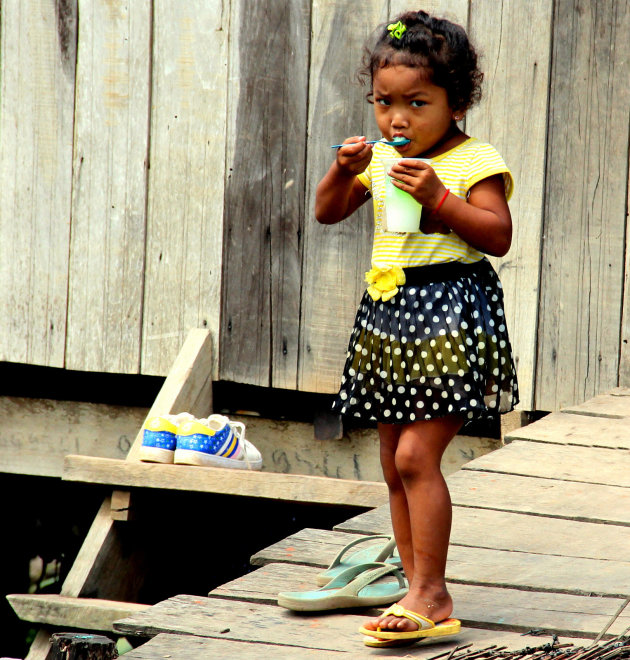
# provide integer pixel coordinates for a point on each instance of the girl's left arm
(484, 220)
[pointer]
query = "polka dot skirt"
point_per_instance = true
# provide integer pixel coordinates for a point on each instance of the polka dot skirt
(437, 348)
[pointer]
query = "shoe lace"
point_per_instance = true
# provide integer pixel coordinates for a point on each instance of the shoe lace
(239, 431)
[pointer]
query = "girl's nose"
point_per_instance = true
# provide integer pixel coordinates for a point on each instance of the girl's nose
(399, 119)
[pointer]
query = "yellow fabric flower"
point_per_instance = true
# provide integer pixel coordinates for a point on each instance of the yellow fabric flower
(384, 281)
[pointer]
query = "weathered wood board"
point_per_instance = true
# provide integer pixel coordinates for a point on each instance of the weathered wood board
(582, 464)
(479, 605)
(310, 547)
(205, 617)
(576, 429)
(503, 609)
(615, 403)
(486, 566)
(288, 487)
(481, 528)
(516, 66)
(38, 57)
(186, 178)
(200, 648)
(453, 10)
(63, 611)
(264, 197)
(337, 256)
(505, 530)
(111, 134)
(537, 572)
(586, 193)
(37, 434)
(547, 497)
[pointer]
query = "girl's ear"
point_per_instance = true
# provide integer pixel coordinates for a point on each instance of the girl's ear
(458, 115)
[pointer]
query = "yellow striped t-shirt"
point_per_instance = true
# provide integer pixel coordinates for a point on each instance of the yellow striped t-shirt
(459, 169)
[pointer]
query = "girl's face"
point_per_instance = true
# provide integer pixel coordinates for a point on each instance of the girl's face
(408, 104)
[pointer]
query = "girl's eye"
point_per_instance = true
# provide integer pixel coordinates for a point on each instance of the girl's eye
(417, 104)
(379, 101)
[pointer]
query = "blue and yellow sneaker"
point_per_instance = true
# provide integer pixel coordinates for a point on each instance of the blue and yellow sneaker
(159, 437)
(216, 442)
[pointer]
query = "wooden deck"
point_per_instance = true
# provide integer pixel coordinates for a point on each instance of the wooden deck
(541, 539)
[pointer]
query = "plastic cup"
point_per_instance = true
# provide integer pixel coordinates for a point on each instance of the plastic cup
(402, 211)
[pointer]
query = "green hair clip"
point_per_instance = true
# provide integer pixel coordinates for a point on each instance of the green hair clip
(396, 30)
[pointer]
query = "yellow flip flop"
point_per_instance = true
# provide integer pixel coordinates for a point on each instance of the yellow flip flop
(426, 627)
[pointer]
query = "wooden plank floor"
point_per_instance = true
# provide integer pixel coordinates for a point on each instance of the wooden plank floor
(540, 540)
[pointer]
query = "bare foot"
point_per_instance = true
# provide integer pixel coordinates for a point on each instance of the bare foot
(437, 608)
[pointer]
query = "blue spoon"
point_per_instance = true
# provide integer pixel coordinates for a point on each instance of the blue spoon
(396, 142)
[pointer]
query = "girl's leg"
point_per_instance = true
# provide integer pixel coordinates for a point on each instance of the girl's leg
(417, 457)
(389, 435)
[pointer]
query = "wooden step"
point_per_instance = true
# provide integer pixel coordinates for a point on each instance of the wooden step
(481, 566)
(256, 621)
(547, 497)
(522, 532)
(271, 485)
(572, 429)
(594, 465)
(64, 611)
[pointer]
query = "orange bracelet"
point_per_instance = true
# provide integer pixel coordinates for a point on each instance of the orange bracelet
(437, 208)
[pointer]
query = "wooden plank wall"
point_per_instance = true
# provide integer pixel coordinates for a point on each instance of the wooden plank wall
(38, 55)
(185, 190)
(264, 210)
(109, 186)
(516, 66)
(586, 197)
(164, 179)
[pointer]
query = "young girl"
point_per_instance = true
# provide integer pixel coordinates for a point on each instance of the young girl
(429, 350)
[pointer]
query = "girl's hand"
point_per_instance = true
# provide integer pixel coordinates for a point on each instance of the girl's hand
(420, 180)
(355, 155)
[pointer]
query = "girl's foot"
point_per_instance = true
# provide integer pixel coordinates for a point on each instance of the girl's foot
(437, 608)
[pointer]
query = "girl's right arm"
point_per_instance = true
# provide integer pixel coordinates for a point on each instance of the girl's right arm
(340, 193)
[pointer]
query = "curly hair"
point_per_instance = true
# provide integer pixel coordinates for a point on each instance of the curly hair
(434, 44)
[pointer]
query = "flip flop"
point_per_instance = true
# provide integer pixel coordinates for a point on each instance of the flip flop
(374, 553)
(354, 587)
(388, 643)
(426, 627)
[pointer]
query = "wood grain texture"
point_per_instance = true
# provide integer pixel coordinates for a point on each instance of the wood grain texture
(580, 464)
(186, 179)
(520, 532)
(481, 605)
(337, 256)
(566, 428)
(613, 404)
(38, 56)
(63, 611)
(37, 434)
(547, 497)
(109, 187)
(528, 571)
(287, 487)
(453, 10)
(264, 207)
(501, 609)
(104, 567)
(199, 648)
(585, 204)
(516, 63)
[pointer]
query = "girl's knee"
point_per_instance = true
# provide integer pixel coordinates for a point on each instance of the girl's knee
(417, 458)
